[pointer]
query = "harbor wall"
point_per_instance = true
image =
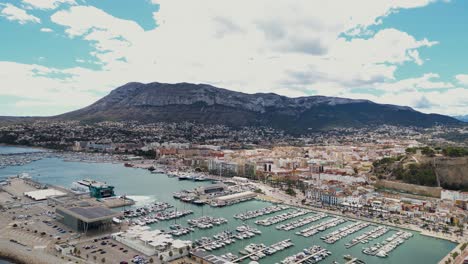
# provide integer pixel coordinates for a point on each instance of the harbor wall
(411, 188)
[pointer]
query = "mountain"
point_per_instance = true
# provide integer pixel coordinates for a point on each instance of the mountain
(463, 118)
(161, 102)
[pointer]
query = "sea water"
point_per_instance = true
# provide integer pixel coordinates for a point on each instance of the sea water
(145, 187)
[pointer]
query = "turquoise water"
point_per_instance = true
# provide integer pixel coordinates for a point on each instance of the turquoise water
(146, 186)
(12, 149)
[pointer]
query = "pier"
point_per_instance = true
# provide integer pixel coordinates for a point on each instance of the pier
(373, 234)
(310, 231)
(310, 256)
(284, 244)
(248, 255)
(301, 222)
(282, 217)
(344, 232)
(388, 245)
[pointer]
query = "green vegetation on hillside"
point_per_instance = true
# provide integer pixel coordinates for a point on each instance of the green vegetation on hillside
(421, 174)
(446, 151)
(455, 152)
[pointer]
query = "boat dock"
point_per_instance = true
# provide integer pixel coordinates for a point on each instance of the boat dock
(382, 249)
(310, 256)
(282, 217)
(313, 254)
(344, 232)
(301, 222)
(366, 237)
(310, 231)
(260, 212)
(279, 246)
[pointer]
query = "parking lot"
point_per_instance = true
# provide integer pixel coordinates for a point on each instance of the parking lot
(107, 248)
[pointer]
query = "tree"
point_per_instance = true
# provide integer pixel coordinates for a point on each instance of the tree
(103, 260)
(161, 257)
(427, 151)
(411, 150)
(290, 191)
(181, 251)
(171, 254)
(151, 260)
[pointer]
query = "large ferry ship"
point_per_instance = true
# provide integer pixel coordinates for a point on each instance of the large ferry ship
(81, 186)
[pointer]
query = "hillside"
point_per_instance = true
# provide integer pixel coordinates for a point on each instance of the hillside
(160, 102)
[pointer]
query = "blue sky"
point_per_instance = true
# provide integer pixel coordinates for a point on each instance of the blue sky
(60, 55)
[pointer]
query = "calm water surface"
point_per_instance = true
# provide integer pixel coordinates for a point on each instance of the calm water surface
(144, 187)
(12, 149)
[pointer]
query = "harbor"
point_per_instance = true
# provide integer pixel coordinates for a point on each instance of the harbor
(259, 251)
(368, 236)
(312, 230)
(383, 248)
(261, 212)
(301, 222)
(310, 255)
(344, 232)
(158, 188)
(282, 217)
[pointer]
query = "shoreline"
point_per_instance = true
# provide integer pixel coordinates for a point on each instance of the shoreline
(24, 146)
(21, 255)
(409, 228)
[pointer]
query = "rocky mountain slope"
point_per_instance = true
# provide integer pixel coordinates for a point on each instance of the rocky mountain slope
(160, 102)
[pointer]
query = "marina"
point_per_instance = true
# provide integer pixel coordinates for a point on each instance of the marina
(226, 238)
(206, 222)
(301, 222)
(261, 212)
(368, 236)
(259, 251)
(146, 209)
(312, 230)
(178, 230)
(172, 214)
(159, 187)
(385, 247)
(310, 255)
(282, 217)
(344, 232)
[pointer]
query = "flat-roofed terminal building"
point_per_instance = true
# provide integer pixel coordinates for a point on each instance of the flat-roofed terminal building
(85, 217)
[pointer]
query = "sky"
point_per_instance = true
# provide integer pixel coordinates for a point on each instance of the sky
(61, 55)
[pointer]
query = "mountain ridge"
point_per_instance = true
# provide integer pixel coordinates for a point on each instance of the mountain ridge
(203, 103)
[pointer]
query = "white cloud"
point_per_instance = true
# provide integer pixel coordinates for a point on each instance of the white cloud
(291, 48)
(14, 13)
(46, 30)
(46, 4)
(427, 81)
(258, 50)
(462, 79)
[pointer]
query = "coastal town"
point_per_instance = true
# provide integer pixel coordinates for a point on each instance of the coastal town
(334, 190)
